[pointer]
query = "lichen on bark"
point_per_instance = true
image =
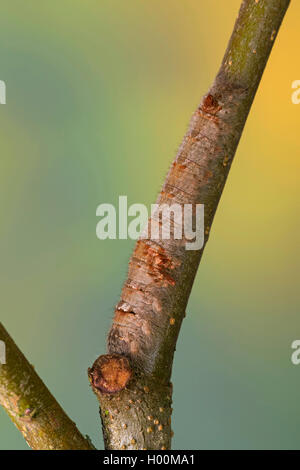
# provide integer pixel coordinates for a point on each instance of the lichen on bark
(132, 382)
(31, 406)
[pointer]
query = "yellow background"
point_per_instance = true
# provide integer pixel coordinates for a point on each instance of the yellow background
(99, 94)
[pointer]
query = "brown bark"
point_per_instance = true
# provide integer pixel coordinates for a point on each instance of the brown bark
(161, 272)
(110, 373)
(31, 406)
(132, 382)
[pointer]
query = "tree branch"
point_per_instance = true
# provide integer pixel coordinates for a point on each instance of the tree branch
(135, 406)
(32, 408)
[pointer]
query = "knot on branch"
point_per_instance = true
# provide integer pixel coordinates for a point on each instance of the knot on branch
(210, 105)
(110, 373)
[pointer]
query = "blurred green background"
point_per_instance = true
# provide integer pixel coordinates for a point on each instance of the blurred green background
(99, 94)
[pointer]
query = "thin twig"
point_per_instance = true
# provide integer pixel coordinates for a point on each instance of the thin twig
(31, 406)
(135, 406)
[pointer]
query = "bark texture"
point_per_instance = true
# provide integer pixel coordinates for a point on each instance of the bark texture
(161, 272)
(31, 406)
